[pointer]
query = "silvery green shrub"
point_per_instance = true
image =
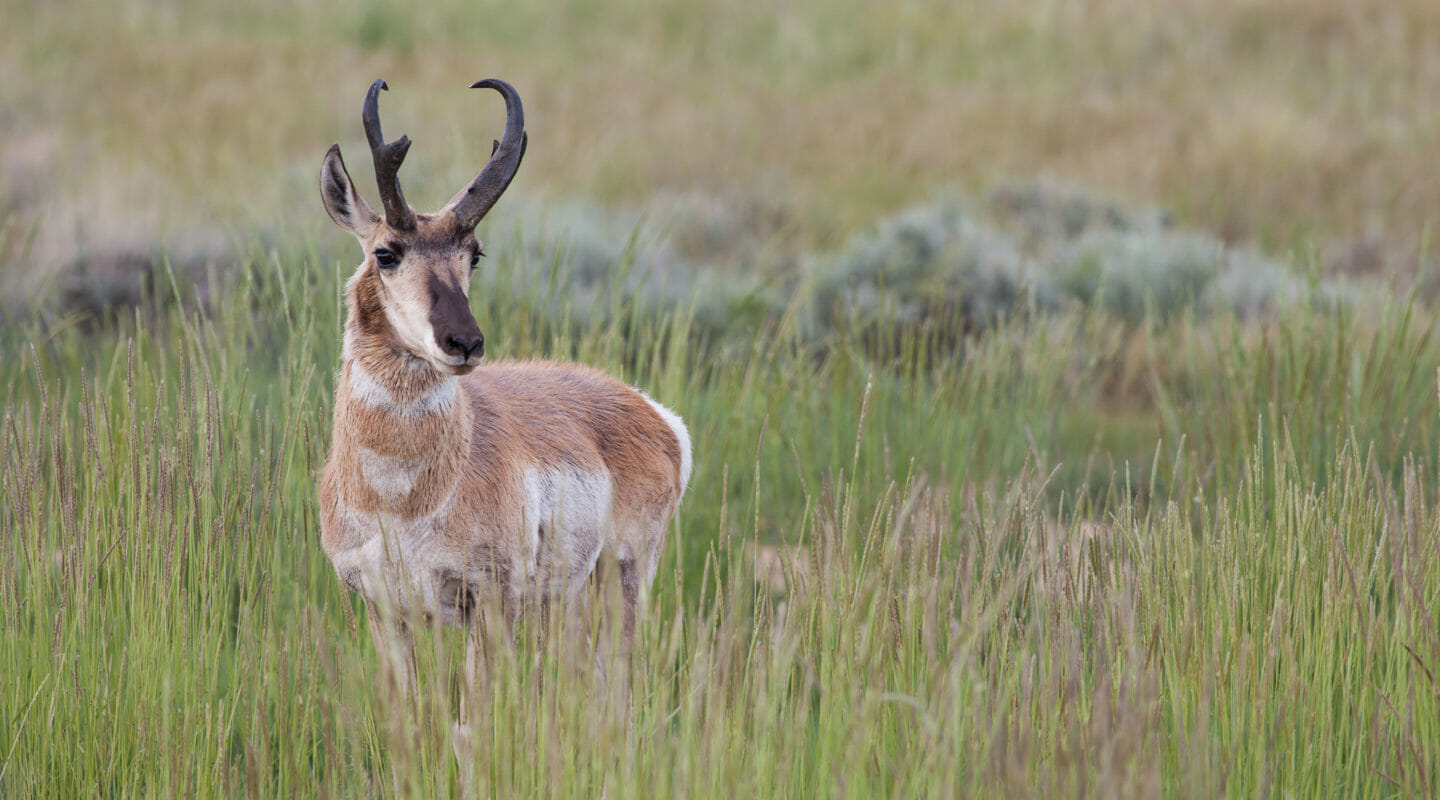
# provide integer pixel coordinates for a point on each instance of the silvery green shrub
(1046, 213)
(929, 259)
(1131, 273)
(1127, 259)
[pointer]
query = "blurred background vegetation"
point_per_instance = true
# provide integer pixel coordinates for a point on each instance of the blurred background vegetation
(957, 148)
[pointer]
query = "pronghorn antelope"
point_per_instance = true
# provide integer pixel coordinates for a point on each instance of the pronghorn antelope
(449, 481)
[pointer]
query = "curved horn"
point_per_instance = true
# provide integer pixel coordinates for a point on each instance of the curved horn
(472, 203)
(387, 159)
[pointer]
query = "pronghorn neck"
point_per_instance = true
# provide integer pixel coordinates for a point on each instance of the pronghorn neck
(402, 428)
(377, 361)
(382, 375)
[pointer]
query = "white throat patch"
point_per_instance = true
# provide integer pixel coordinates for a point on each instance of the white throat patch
(368, 391)
(391, 478)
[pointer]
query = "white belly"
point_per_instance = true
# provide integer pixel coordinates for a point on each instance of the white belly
(404, 563)
(568, 518)
(419, 563)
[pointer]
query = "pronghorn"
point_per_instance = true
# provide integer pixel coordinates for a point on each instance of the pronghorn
(449, 480)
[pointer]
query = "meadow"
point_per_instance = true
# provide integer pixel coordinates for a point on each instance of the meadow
(1066, 415)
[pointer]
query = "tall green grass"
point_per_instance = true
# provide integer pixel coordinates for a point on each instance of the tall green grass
(1073, 555)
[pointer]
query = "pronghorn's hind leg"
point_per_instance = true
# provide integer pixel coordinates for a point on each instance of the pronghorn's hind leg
(630, 601)
(637, 576)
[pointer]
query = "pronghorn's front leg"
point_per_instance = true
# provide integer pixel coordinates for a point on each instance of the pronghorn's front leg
(395, 647)
(471, 692)
(490, 626)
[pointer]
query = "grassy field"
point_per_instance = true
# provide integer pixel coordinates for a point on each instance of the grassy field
(959, 570)
(1002, 487)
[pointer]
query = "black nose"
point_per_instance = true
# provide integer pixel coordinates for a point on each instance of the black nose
(465, 346)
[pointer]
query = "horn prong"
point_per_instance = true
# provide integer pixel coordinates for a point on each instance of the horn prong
(387, 158)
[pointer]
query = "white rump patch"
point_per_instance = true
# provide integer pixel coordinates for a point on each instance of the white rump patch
(682, 435)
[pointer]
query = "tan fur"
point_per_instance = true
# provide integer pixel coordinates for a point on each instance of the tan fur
(450, 483)
(466, 464)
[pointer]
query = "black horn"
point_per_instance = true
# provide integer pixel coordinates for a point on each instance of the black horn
(474, 201)
(387, 157)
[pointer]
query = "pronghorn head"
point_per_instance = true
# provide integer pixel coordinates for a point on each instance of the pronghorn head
(413, 287)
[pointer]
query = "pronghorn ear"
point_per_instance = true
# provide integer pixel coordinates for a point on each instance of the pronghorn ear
(342, 202)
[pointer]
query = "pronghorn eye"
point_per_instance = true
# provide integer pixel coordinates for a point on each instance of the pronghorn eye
(385, 259)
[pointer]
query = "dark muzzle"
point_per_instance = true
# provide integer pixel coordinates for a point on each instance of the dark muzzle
(456, 331)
